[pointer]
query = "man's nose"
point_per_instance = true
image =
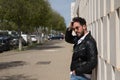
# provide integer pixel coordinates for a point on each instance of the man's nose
(75, 30)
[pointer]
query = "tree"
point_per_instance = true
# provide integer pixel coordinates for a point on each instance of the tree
(28, 15)
(14, 11)
(56, 21)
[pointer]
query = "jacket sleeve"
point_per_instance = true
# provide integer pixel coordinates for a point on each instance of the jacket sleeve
(92, 59)
(69, 37)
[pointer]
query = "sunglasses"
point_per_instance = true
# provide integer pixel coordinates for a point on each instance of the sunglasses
(76, 28)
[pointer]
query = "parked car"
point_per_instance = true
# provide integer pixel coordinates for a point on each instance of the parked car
(1, 45)
(56, 37)
(33, 38)
(5, 42)
(24, 39)
(14, 42)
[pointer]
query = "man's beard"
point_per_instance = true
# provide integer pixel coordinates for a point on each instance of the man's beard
(79, 35)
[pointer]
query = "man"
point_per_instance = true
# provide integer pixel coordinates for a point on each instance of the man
(84, 58)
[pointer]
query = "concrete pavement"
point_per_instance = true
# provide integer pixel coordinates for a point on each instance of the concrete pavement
(44, 62)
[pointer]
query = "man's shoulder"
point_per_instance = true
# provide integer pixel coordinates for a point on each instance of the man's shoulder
(90, 40)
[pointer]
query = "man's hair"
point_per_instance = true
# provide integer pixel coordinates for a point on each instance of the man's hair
(81, 20)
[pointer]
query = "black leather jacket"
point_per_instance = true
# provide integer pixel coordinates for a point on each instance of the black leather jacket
(84, 58)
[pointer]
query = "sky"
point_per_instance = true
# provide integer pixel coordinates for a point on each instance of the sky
(63, 7)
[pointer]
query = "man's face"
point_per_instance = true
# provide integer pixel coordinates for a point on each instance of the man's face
(78, 29)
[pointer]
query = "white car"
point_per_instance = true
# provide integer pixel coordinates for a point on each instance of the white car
(33, 38)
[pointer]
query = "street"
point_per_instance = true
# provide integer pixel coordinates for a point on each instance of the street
(49, 61)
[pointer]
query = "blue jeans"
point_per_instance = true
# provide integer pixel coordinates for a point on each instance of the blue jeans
(82, 77)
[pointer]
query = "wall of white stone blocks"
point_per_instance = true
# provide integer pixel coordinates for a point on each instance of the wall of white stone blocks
(118, 38)
(103, 20)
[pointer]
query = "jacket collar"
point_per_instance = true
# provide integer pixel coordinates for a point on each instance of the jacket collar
(82, 38)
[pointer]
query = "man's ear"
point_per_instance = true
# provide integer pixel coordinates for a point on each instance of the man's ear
(84, 27)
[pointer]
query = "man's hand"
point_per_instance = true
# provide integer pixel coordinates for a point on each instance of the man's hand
(73, 72)
(70, 26)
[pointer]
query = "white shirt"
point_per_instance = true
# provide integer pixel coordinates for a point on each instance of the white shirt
(82, 38)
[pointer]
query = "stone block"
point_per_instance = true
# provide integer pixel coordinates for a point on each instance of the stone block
(116, 4)
(117, 74)
(108, 6)
(103, 70)
(99, 69)
(118, 38)
(108, 38)
(101, 8)
(94, 10)
(109, 72)
(99, 37)
(104, 1)
(105, 24)
(97, 9)
(112, 39)
(96, 31)
(112, 5)
(101, 22)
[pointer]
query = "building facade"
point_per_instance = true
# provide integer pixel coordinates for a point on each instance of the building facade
(103, 20)
(72, 9)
